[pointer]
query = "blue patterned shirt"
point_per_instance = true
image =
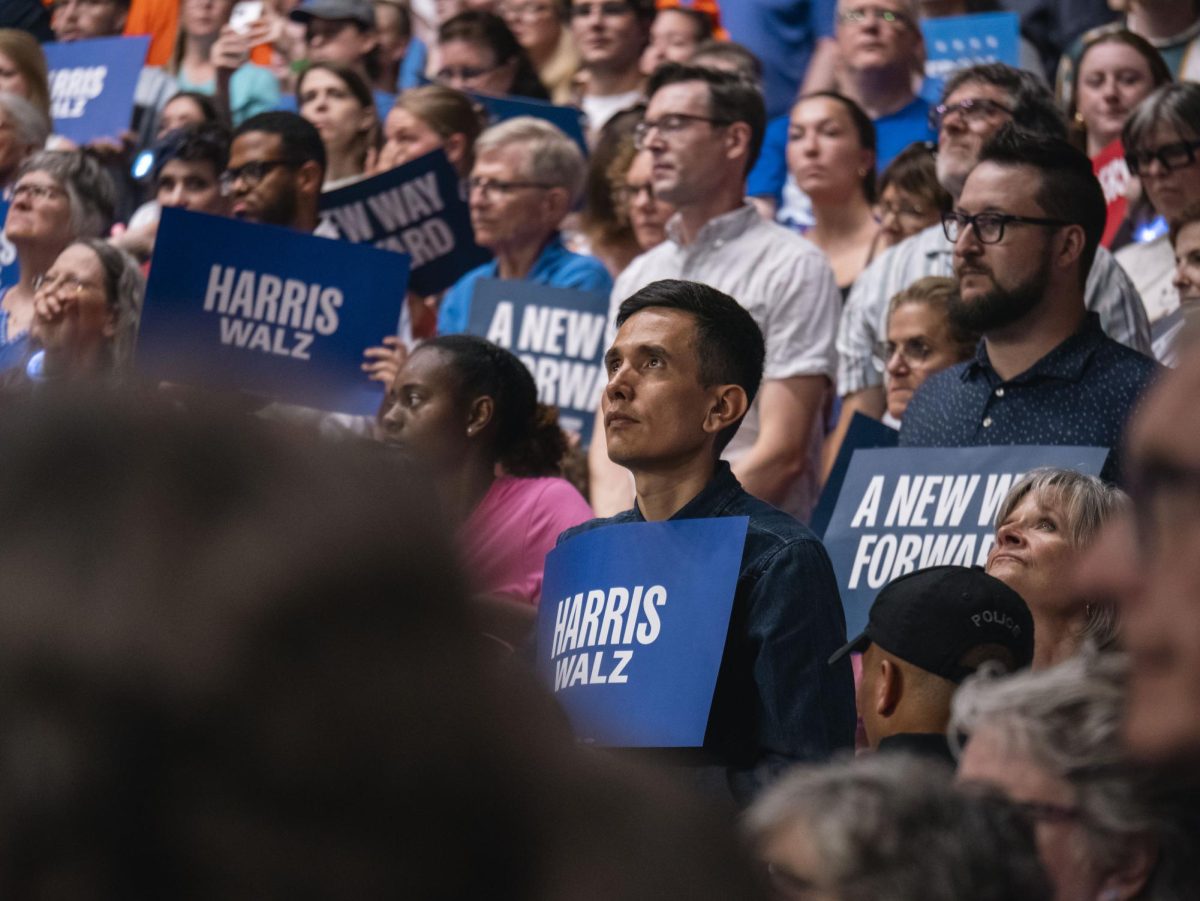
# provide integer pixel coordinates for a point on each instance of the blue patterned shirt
(1081, 393)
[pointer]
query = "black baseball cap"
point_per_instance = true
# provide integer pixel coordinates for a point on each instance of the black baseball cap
(933, 617)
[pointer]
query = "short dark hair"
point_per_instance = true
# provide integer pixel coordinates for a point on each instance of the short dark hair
(729, 343)
(730, 97)
(300, 139)
(862, 124)
(194, 144)
(1068, 188)
(645, 10)
(736, 55)
(1032, 103)
(914, 171)
(527, 439)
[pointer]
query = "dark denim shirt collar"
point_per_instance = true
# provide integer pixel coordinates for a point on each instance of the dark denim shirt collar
(720, 492)
(1068, 362)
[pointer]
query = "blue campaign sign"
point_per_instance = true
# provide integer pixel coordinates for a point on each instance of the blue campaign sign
(632, 625)
(10, 273)
(558, 333)
(567, 118)
(909, 508)
(863, 432)
(283, 315)
(959, 41)
(92, 85)
(417, 209)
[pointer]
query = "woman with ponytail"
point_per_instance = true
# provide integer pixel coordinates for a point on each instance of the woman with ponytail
(468, 410)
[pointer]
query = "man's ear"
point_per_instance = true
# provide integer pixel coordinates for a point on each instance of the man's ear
(556, 203)
(1129, 879)
(480, 414)
(1070, 249)
(737, 139)
(309, 177)
(122, 18)
(887, 688)
(729, 404)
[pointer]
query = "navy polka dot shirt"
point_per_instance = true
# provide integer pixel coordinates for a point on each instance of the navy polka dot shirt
(1081, 393)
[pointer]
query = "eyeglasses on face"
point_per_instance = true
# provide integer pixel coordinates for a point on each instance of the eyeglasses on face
(989, 227)
(669, 126)
(878, 13)
(911, 350)
(462, 74)
(37, 192)
(628, 193)
(900, 211)
(67, 285)
(972, 110)
(525, 10)
(252, 173)
(609, 9)
(1174, 156)
(489, 186)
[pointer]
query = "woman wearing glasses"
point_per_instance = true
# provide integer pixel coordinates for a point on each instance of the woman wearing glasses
(1161, 139)
(58, 197)
(87, 307)
(540, 27)
(910, 197)
(476, 52)
(921, 340)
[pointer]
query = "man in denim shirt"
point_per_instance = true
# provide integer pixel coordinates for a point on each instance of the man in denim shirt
(682, 371)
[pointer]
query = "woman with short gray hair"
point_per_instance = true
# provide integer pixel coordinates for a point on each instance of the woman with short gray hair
(1106, 827)
(58, 196)
(1045, 523)
(890, 826)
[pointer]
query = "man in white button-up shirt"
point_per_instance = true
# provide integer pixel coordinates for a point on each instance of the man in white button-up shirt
(703, 130)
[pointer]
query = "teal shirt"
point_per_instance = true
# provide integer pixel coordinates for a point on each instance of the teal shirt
(252, 90)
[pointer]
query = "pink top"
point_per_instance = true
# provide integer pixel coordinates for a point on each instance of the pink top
(507, 536)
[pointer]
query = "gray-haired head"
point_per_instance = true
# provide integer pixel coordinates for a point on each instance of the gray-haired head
(548, 154)
(89, 188)
(1176, 105)
(1033, 106)
(29, 124)
(892, 826)
(123, 289)
(1067, 720)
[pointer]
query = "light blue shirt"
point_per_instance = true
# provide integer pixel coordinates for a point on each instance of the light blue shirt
(252, 90)
(555, 266)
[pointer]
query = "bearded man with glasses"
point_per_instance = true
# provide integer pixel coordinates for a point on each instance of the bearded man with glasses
(1025, 231)
(976, 103)
(276, 167)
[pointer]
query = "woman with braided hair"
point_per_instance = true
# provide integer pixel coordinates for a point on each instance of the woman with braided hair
(468, 410)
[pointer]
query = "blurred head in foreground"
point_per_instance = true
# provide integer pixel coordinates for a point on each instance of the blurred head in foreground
(891, 827)
(239, 665)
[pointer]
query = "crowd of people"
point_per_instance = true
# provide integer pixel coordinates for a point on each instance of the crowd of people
(252, 650)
